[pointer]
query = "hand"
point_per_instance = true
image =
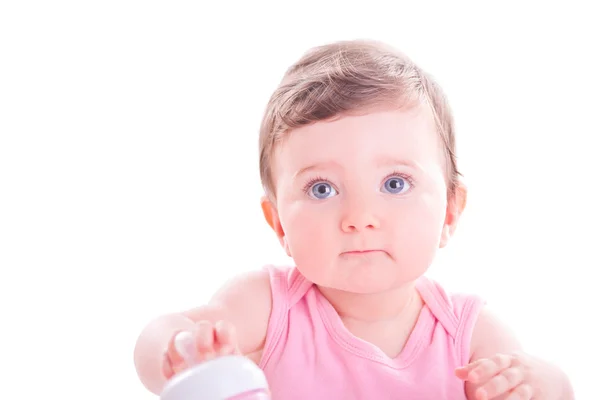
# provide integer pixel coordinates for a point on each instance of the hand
(508, 377)
(205, 342)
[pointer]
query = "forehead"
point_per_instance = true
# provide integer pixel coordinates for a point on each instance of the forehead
(407, 134)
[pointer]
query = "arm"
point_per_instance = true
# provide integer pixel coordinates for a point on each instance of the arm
(496, 351)
(245, 302)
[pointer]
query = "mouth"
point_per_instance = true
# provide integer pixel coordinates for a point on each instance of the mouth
(360, 252)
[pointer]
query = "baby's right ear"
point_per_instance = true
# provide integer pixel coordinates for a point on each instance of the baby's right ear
(272, 218)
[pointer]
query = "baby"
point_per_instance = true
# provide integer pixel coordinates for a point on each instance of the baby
(357, 158)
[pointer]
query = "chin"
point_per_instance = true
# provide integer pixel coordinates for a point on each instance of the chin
(359, 283)
(360, 275)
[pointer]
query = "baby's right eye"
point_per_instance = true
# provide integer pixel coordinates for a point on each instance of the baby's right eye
(322, 190)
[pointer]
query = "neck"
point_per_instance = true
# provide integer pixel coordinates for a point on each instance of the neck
(373, 307)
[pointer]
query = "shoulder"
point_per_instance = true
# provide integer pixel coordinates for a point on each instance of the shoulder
(244, 301)
(252, 285)
(492, 335)
(262, 286)
(250, 300)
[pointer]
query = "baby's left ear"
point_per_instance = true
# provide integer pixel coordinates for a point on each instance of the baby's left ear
(454, 209)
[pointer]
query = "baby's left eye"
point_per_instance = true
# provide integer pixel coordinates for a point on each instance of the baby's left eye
(396, 185)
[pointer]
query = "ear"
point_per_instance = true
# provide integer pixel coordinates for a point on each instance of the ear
(272, 217)
(454, 209)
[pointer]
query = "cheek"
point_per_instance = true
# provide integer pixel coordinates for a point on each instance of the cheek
(309, 233)
(417, 236)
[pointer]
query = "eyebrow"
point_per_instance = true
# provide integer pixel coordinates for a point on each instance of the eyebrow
(381, 162)
(391, 161)
(320, 165)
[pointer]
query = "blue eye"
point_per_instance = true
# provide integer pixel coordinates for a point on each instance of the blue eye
(322, 190)
(396, 185)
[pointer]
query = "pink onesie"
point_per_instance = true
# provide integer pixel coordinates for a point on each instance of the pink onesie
(310, 355)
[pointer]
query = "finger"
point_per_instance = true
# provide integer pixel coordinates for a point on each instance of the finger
(166, 367)
(173, 356)
(463, 372)
(521, 392)
(225, 338)
(170, 368)
(502, 383)
(489, 368)
(204, 334)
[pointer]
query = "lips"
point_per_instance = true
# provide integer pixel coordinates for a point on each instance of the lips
(359, 252)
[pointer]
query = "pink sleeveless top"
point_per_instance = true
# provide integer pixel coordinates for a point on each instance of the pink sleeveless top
(310, 355)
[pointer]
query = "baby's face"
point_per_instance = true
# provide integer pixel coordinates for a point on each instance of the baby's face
(362, 200)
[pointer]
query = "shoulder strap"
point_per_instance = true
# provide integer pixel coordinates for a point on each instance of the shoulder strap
(456, 312)
(439, 303)
(298, 286)
(288, 286)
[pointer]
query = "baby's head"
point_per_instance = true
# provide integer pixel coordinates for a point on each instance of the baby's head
(358, 163)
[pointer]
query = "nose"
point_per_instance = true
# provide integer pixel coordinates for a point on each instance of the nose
(359, 216)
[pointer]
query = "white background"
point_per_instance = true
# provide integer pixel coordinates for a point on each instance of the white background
(129, 178)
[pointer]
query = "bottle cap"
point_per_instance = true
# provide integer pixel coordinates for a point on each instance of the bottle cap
(217, 379)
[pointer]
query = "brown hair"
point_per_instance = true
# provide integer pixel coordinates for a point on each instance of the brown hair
(349, 77)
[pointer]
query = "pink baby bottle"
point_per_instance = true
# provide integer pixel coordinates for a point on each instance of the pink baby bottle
(223, 378)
